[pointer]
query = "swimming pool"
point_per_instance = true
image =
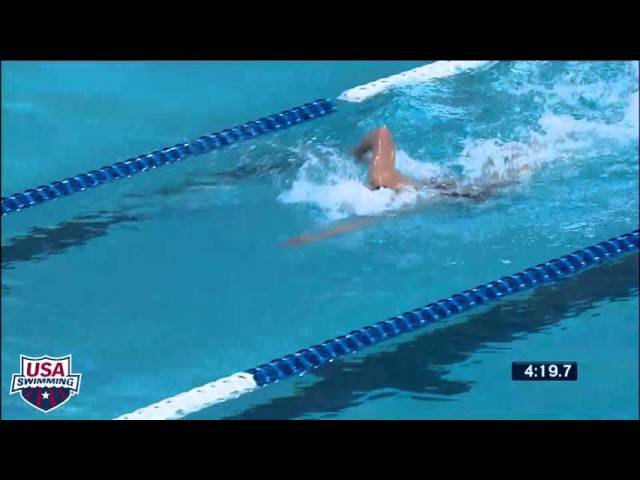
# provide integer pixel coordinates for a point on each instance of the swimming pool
(178, 277)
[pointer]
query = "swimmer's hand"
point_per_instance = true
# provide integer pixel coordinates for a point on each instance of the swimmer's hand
(299, 241)
(361, 154)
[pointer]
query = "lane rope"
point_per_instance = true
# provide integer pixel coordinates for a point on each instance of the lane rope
(426, 73)
(166, 156)
(315, 356)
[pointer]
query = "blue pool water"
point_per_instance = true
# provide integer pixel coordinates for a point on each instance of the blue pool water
(177, 277)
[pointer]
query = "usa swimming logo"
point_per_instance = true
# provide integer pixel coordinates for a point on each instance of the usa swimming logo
(45, 383)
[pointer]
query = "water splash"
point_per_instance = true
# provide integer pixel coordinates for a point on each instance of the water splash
(572, 113)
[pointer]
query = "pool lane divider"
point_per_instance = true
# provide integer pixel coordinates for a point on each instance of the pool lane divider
(313, 357)
(166, 156)
(423, 74)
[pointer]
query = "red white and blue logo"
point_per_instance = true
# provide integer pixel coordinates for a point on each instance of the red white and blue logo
(45, 383)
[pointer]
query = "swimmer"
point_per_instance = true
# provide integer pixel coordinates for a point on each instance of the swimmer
(383, 174)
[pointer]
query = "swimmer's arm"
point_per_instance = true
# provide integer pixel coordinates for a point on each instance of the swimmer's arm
(330, 232)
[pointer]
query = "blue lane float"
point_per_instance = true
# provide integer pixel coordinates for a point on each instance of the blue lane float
(166, 156)
(313, 357)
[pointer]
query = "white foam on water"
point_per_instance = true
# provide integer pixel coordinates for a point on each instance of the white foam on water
(563, 137)
(557, 137)
(334, 183)
(631, 112)
(337, 185)
(575, 124)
